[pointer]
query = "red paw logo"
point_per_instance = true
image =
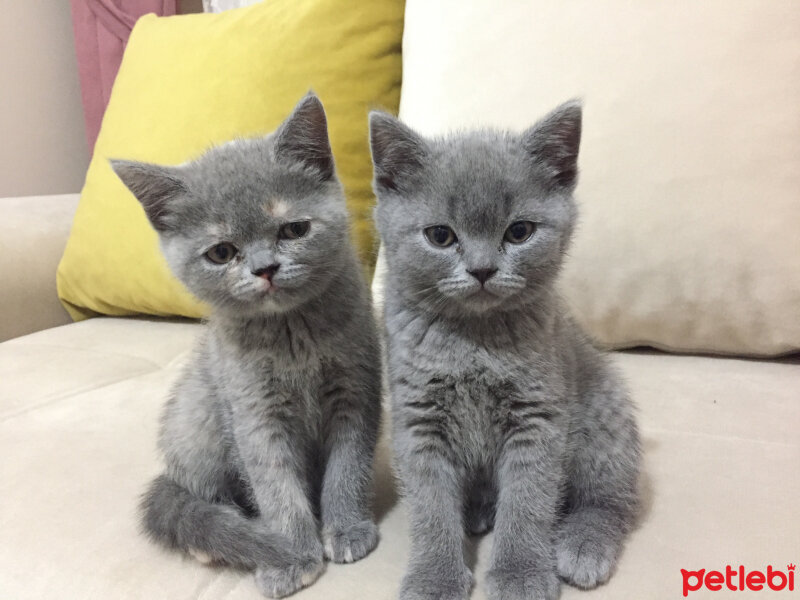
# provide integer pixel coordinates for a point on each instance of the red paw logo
(739, 579)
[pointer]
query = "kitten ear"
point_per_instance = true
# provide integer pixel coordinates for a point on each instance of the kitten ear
(303, 137)
(554, 141)
(153, 185)
(397, 152)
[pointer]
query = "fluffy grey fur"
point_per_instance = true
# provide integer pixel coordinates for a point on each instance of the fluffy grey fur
(504, 414)
(269, 434)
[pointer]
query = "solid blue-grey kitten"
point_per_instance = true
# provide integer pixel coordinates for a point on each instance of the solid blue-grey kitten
(504, 414)
(269, 434)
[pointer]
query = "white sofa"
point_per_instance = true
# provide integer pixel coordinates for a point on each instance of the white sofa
(79, 404)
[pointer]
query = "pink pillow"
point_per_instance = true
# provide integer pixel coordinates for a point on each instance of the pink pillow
(101, 30)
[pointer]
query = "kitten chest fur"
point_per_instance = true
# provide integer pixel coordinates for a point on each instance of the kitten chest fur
(267, 360)
(479, 383)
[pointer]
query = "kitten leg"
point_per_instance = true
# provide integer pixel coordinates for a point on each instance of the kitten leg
(602, 498)
(433, 487)
(352, 407)
(528, 477)
(274, 455)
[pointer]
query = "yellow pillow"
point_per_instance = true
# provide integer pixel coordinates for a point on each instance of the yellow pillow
(192, 81)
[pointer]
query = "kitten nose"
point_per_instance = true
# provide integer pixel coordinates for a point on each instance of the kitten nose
(482, 275)
(267, 272)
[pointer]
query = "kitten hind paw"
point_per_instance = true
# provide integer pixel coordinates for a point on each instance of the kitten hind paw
(351, 543)
(277, 582)
(479, 523)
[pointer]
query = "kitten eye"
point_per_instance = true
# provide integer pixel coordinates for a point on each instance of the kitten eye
(222, 253)
(519, 232)
(292, 231)
(441, 236)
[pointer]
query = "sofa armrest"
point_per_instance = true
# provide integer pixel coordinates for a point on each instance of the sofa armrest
(33, 233)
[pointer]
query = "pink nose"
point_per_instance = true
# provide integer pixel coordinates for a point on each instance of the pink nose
(267, 272)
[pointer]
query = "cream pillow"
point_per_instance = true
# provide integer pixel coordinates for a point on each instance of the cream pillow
(690, 185)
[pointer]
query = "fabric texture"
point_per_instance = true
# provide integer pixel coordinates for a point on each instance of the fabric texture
(690, 161)
(79, 409)
(102, 28)
(190, 81)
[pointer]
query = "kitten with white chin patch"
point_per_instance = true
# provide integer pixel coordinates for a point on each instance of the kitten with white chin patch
(505, 416)
(269, 435)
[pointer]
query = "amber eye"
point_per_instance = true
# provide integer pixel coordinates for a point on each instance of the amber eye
(292, 231)
(441, 236)
(222, 253)
(519, 232)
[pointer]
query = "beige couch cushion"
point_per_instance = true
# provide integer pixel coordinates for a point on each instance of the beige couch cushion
(78, 411)
(33, 233)
(690, 185)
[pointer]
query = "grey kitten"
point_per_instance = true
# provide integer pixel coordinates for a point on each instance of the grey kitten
(504, 414)
(270, 433)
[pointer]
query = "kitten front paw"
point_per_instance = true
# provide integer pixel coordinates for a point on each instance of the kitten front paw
(277, 582)
(433, 584)
(586, 550)
(351, 543)
(522, 584)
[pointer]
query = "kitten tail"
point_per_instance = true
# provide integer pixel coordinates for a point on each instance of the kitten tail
(177, 519)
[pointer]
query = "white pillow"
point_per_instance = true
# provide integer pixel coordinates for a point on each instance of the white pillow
(690, 163)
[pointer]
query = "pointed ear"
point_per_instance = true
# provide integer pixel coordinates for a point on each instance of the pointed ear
(398, 152)
(153, 185)
(303, 137)
(553, 143)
